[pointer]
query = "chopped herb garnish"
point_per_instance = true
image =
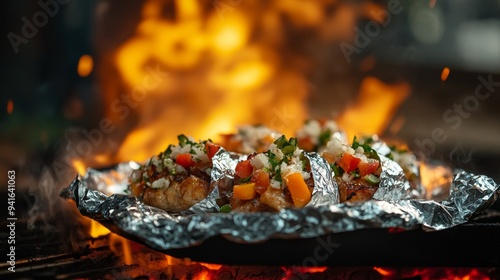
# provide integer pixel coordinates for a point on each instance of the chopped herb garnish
(168, 151)
(245, 180)
(183, 140)
(372, 179)
(324, 137)
(277, 177)
(337, 170)
(280, 142)
(272, 159)
(226, 208)
(288, 150)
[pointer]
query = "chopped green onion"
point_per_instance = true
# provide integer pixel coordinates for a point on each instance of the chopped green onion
(324, 137)
(372, 179)
(183, 140)
(246, 180)
(337, 171)
(355, 143)
(277, 177)
(280, 142)
(288, 150)
(355, 173)
(226, 208)
(272, 160)
(168, 151)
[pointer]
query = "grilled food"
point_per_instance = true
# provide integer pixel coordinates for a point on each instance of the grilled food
(315, 134)
(177, 178)
(356, 169)
(250, 139)
(272, 180)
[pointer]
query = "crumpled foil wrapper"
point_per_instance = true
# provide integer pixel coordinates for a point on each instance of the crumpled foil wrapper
(390, 207)
(416, 188)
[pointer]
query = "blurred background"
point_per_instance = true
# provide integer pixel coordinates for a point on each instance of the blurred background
(93, 83)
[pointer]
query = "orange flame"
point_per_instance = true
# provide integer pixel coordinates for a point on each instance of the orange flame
(445, 73)
(79, 166)
(10, 106)
(121, 247)
(376, 104)
(201, 75)
(96, 229)
(85, 65)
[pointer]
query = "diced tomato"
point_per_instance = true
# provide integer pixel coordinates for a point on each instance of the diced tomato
(261, 180)
(244, 169)
(211, 149)
(184, 160)
(349, 162)
(369, 167)
(306, 144)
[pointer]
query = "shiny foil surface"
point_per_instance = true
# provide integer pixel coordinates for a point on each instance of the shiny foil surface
(390, 207)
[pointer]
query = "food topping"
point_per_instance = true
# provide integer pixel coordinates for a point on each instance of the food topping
(277, 177)
(316, 134)
(352, 162)
(250, 139)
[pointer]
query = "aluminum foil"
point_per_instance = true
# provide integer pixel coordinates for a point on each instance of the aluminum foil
(393, 184)
(416, 188)
(158, 229)
(325, 190)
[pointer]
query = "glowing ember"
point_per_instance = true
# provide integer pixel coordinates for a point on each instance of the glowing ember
(85, 65)
(382, 271)
(445, 73)
(432, 273)
(203, 275)
(376, 104)
(317, 269)
(211, 266)
(10, 106)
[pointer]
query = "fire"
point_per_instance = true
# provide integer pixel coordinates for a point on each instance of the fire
(203, 275)
(205, 72)
(432, 273)
(85, 65)
(382, 271)
(79, 166)
(211, 266)
(10, 106)
(445, 73)
(436, 180)
(97, 230)
(122, 247)
(375, 107)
